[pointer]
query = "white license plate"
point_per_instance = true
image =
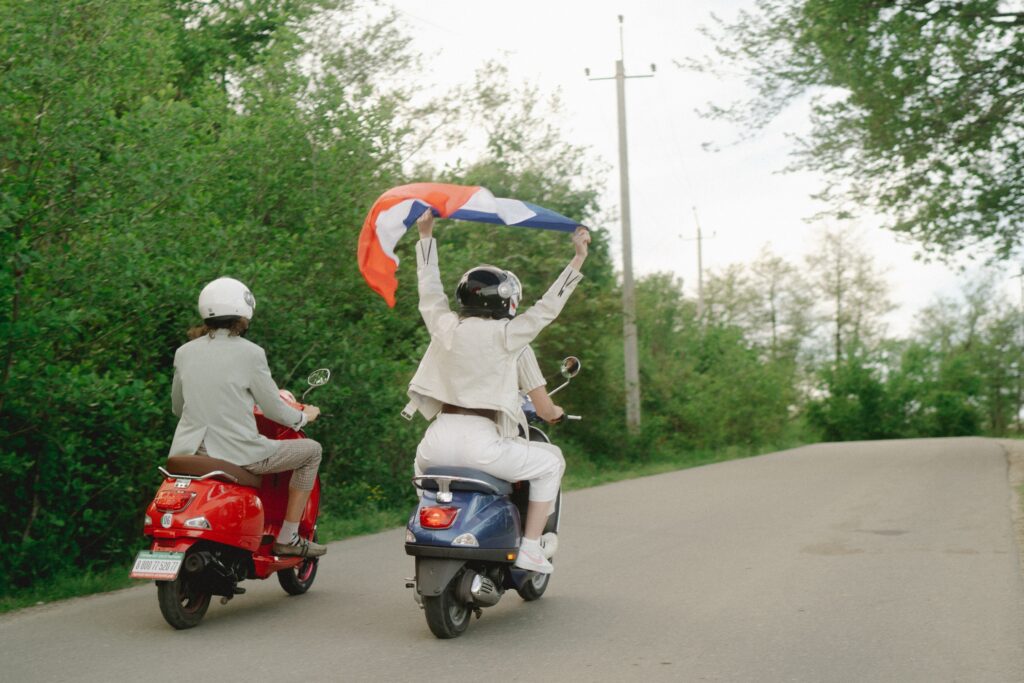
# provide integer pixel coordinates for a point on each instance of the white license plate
(155, 565)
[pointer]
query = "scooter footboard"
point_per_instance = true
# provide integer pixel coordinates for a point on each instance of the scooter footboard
(434, 574)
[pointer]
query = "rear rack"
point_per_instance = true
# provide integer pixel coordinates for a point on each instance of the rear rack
(444, 481)
(209, 475)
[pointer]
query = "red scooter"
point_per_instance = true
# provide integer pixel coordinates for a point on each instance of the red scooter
(213, 524)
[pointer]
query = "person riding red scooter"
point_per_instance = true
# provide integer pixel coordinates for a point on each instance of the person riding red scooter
(241, 494)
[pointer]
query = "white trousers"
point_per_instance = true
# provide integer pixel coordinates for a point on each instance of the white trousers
(454, 440)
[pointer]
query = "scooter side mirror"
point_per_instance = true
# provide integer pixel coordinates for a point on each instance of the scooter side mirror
(317, 378)
(571, 367)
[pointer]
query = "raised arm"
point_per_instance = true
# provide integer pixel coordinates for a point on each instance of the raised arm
(524, 328)
(433, 302)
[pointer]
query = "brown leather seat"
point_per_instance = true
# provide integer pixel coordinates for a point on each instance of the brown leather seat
(198, 465)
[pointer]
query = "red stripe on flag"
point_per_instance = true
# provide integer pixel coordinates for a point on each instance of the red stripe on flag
(377, 267)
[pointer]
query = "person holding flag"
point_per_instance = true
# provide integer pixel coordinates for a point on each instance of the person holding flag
(468, 380)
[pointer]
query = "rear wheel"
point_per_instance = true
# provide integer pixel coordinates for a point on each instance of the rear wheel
(447, 616)
(298, 579)
(181, 602)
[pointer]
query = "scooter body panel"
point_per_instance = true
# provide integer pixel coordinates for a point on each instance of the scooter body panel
(234, 513)
(492, 519)
(274, 496)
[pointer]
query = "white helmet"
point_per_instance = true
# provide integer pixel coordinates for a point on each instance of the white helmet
(226, 297)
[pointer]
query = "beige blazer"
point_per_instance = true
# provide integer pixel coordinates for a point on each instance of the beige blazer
(472, 362)
(217, 381)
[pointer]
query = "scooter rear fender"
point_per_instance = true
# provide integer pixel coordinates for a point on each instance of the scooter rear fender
(234, 514)
(434, 574)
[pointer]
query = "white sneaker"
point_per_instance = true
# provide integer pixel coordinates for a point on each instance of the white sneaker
(549, 544)
(533, 561)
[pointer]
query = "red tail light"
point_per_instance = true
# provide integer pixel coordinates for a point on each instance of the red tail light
(172, 501)
(438, 518)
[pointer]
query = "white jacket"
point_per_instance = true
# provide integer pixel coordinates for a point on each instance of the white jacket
(471, 362)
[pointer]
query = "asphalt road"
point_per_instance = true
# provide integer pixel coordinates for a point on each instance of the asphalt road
(880, 561)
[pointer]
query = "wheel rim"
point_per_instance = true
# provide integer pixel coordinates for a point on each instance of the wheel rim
(304, 571)
(457, 612)
(190, 601)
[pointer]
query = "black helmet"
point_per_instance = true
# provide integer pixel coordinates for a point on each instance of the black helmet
(489, 292)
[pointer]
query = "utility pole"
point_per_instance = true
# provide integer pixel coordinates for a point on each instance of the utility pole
(632, 362)
(700, 269)
(700, 266)
(1020, 350)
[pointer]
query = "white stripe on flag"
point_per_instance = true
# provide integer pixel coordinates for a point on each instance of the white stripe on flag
(513, 211)
(391, 226)
(510, 211)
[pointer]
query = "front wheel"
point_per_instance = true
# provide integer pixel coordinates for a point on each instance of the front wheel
(447, 616)
(534, 586)
(181, 602)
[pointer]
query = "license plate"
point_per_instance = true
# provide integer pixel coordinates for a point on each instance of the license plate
(159, 566)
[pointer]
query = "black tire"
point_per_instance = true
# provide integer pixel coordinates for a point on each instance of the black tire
(299, 579)
(182, 605)
(447, 616)
(534, 586)
(554, 517)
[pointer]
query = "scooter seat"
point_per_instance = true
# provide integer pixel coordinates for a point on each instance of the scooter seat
(484, 483)
(198, 465)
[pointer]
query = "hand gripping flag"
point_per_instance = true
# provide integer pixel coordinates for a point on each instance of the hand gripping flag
(396, 211)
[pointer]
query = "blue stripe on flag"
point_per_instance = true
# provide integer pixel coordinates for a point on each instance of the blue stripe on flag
(415, 211)
(545, 218)
(549, 220)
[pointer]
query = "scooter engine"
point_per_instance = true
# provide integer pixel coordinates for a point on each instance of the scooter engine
(478, 589)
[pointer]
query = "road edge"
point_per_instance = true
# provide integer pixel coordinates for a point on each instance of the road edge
(1015, 473)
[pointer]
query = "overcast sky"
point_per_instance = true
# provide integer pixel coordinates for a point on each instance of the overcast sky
(740, 196)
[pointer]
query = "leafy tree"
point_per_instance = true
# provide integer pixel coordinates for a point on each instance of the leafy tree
(856, 403)
(705, 385)
(730, 298)
(216, 39)
(785, 301)
(938, 394)
(853, 291)
(769, 300)
(917, 108)
(123, 193)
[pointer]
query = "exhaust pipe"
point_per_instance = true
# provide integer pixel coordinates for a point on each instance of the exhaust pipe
(478, 590)
(196, 562)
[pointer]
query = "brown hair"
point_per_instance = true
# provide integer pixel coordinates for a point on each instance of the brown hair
(233, 324)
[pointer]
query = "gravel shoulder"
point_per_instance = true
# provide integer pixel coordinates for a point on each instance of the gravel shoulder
(1015, 472)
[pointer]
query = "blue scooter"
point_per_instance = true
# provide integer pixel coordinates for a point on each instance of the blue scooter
(465, 536)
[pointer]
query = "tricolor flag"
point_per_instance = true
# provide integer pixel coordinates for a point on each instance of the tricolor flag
(396, 210)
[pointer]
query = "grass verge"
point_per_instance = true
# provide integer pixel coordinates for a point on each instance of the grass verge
(68, 586)
(580, 473)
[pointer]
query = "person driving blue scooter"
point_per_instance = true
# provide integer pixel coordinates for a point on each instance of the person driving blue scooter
(469, 379)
